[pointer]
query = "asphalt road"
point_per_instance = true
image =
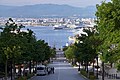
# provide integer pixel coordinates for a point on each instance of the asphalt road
(63, 71)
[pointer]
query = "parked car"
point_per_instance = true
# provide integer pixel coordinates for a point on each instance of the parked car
(41, 70)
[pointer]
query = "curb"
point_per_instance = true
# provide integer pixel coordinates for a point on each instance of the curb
(83, 76)
(31, 78)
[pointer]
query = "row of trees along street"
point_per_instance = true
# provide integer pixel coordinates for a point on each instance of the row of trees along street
(21, 49)
(84, 50)
(104, 38)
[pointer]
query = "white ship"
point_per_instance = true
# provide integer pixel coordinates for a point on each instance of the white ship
(58, 27)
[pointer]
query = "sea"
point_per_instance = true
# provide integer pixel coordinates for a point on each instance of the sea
(55, 38)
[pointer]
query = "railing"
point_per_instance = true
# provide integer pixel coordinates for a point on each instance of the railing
(111, 76)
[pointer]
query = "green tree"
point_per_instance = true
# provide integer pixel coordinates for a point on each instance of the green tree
(53, 52)
(108, 18)
(42, 51)
(70, 53)
(87, 47)
(10, 47)
(39, 51)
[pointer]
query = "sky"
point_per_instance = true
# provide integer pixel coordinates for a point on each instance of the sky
(76, 3)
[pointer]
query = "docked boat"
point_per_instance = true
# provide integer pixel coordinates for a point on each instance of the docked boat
(58, 27)
(71, 38)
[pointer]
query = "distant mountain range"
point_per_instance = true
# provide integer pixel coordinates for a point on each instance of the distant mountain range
(46, 10)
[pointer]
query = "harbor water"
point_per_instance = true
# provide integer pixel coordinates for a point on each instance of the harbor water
(55, 38)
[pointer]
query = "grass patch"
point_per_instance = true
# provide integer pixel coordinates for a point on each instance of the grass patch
(83, 72)
(91, 74)
(25, 77)
(22, 78)
(30, 75)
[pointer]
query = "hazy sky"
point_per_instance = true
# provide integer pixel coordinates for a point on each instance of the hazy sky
(78, 3)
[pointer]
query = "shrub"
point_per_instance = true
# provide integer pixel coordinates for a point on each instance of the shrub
(29, 76)
(83, 72)
(118, 67)
(22, 78)
(91, 74)
(92, 77)
(25, 77)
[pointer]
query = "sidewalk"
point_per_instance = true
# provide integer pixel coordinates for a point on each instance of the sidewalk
(4, 79)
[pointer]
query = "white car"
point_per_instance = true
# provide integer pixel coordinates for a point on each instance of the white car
(41, 70)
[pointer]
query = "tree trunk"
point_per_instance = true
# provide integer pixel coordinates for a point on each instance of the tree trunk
(87, 67)
(24, 67)
(11, 69)
(19, 69)
(93, 67)
(6, 70)
(103, 70)
(97, 67)
(111, 65)
(36, 66)
(30, 67)
(79, 67)
(14, 71)
(33, 67)
(72, 61)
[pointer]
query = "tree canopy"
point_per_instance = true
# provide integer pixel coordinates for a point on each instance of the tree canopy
(19, 46)
(108, 26)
